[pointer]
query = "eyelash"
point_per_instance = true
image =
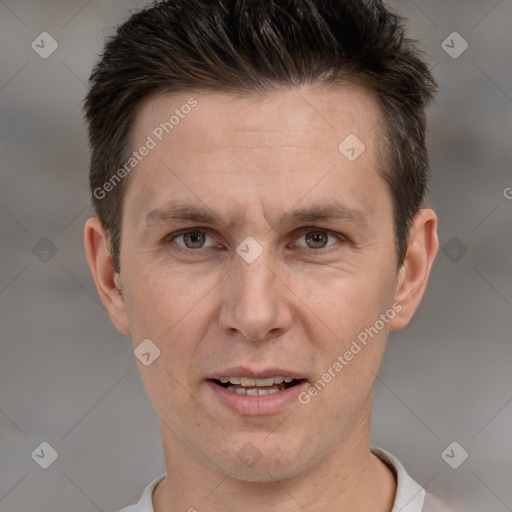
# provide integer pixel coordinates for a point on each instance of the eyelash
(317, 252)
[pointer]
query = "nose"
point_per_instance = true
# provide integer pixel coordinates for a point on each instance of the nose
(256, 304)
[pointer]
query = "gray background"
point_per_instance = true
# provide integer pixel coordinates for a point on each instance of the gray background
(68, 378)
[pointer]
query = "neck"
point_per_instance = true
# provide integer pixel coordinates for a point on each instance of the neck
(347, 478)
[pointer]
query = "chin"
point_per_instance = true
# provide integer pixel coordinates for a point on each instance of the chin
(263, 472)
(260, 462)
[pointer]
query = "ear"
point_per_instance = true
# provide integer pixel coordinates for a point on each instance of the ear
(107, 281)
(414, 273)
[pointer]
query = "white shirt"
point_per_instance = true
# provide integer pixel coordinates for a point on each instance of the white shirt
(410, 496)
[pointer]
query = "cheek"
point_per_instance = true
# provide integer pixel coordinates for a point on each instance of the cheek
(348, 334)
(343, 303)
(174, 310)
(164, 301)
(165, 308)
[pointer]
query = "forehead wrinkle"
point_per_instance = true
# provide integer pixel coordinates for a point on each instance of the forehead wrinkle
(277, 147)
(271, 130)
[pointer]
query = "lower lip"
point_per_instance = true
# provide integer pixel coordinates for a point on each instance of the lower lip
(257, 405)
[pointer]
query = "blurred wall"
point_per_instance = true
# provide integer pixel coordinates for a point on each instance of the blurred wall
(69, 379)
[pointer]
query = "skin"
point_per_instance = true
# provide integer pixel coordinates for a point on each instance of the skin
(251, 160)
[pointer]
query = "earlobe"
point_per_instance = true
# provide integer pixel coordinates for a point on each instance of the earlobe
(413, 275)
(108, 282)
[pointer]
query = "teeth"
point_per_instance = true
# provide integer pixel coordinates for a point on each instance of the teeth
(253, 391)
(249, 382)
(267, 391)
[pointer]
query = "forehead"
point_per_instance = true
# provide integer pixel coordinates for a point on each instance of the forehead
(232, 147)
(220, 120)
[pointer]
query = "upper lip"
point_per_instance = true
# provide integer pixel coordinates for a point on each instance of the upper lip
(244, 371)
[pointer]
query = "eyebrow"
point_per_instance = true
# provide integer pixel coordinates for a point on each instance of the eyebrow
(184, 212)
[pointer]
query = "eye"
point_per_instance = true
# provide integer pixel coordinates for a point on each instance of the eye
(194, 240)
(191, 239)
(318, 239)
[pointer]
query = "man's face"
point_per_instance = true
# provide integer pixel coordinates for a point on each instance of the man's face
(270, 169)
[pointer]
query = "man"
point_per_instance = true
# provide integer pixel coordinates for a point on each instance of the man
(258, 171)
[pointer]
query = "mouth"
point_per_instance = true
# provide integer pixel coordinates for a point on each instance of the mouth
(250, 393)
(249, 386)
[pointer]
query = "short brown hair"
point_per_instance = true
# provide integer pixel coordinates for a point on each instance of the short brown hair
(258, 46)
